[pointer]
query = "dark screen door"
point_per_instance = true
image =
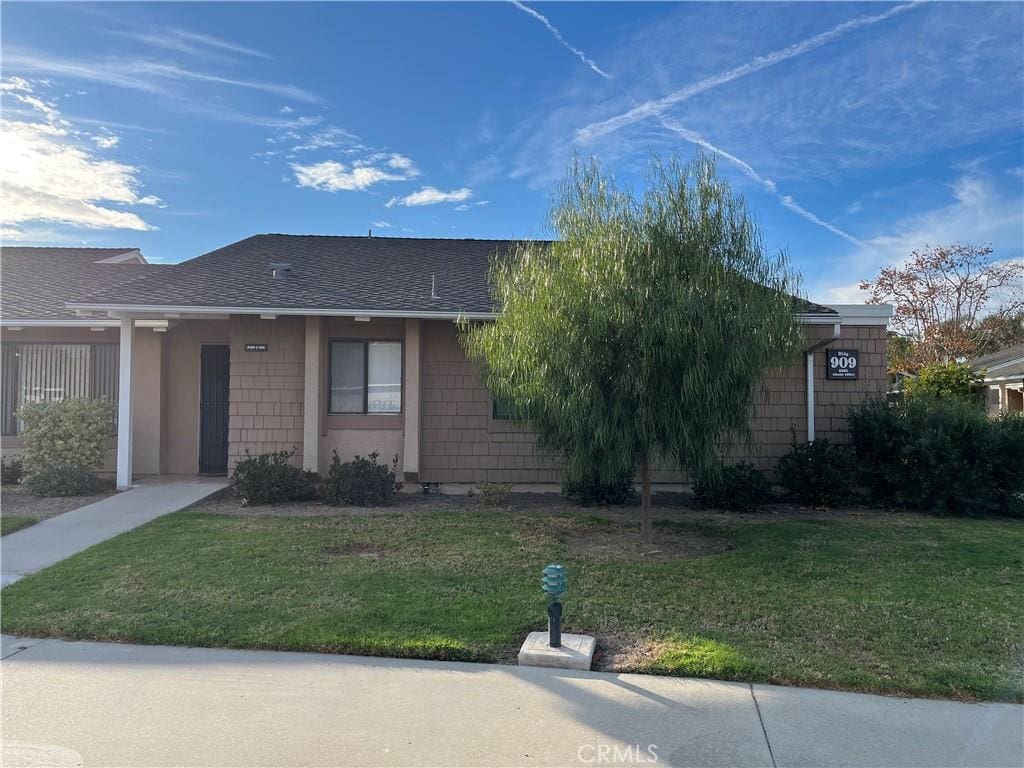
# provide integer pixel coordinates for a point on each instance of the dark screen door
(213, 409)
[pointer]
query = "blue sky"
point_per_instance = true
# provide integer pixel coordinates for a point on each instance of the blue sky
(857, 131)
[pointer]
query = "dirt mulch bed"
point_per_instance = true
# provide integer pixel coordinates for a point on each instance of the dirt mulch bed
(16, 501)
(665, 506)
(625, 546)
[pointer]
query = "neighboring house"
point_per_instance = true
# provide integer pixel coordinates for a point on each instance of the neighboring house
(51, 353)
(1003, 372)
(314, 344)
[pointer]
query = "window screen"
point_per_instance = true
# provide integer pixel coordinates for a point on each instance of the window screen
(34, 373)
(348, 377)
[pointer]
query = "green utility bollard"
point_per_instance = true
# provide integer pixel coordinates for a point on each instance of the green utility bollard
(554, 584)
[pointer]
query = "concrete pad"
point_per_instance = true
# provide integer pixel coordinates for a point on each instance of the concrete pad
(10, 645)
(150, 705)
(43, 544)
(831, 728)
(575, 652)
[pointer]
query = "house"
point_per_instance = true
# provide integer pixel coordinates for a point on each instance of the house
(317, 344)
(1003, 372)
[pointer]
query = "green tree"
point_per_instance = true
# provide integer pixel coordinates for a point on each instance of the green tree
(946, 381)
(642, 332)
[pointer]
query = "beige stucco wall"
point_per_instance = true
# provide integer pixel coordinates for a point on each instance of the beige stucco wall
(180, 413)
(463, 444)
(147, 382)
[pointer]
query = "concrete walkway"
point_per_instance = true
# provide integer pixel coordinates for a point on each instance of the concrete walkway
(103, 704)
(43, 544)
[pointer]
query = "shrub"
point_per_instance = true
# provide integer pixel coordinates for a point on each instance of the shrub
(271, 478)
(494, 494)
(592, 492)
(947, 381)
(736, 487)
(65, 441)
(940, 455)
(361, 482)
(11, 470)
(818, 474)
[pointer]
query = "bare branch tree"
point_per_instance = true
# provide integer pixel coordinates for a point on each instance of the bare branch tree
(940, 298)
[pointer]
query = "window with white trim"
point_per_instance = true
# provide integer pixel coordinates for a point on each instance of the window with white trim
(42, 372)
(365, 377)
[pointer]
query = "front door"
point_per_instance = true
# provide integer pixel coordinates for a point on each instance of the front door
(214, 372)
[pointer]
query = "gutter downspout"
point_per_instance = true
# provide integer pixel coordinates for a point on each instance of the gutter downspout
(836, 331)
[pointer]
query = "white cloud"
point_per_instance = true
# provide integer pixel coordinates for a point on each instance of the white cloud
(330, 137)
(143, 75)
(978, 214)
(431, 196)
(107, 141)
(383, 225)
(467, 206)
(285, 110)
(332, 176)
(49, 176)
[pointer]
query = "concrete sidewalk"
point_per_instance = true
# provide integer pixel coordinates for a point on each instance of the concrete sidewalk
(103, 704)
(43, 544)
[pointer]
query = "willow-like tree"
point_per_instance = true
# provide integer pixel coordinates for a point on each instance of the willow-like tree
(640, 334)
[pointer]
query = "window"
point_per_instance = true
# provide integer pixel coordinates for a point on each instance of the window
(35, 373)
(365, 377)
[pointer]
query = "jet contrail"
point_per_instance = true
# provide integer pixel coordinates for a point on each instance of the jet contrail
(695, 138)
(655, 107)
(558, 36)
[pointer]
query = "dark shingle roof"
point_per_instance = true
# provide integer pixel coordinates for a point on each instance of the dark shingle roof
(372, 274)
(1007, 363)
(327, 272)
(36, 283)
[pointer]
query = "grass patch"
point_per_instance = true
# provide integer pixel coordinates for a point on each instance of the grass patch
(10, 524)
(884, 603)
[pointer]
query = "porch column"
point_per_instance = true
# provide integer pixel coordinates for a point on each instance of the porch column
(312, 397)
(411, 447)
(810, 396)
(1004, 403)
(125, 409)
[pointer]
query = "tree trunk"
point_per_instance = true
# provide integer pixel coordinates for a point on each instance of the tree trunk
(646, 526)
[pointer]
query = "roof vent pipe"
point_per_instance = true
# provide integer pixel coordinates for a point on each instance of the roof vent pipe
(433, 287)
(279, 270)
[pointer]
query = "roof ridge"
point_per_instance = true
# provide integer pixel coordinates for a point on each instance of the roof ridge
(72, 248)
(402, 237)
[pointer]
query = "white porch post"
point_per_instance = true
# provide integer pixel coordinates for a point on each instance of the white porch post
(312, 397)
(411, 446)
(125, 409)
(810, 397)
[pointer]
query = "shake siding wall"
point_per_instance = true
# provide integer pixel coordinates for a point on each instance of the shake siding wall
(462, 444)
(265, 411)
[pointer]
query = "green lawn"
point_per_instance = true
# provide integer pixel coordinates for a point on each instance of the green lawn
(10, 524)
(887, 603)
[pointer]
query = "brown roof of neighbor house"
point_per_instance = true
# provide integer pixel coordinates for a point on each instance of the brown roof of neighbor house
(325, 273)
(36, 283)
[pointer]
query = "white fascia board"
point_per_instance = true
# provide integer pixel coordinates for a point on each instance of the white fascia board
(86, 322)
(161, 309)
(863, 314)
(168, 310)
(8, 322)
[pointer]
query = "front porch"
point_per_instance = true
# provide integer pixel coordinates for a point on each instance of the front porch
(260, 383)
